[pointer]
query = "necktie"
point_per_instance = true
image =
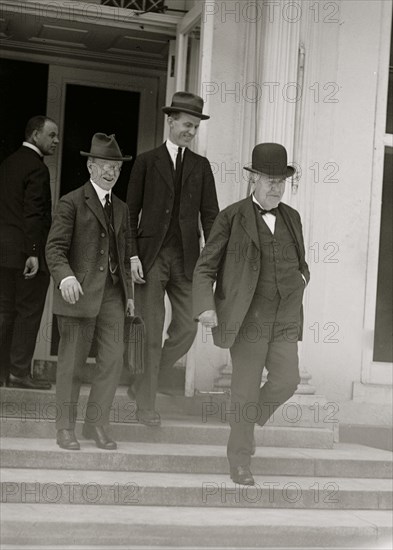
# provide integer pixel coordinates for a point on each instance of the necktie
(108, 207)
(178, 161)
(263, 211)
(112, 254)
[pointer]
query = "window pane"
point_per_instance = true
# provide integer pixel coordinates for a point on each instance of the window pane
(383, 347)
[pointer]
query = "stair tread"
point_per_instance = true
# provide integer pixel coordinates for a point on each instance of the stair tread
(176, 480)
(341, 451)
(169, 422)
(179, 515)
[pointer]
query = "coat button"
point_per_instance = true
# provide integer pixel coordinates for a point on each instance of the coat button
(101, 268)
(102, 234)
(254, 267)
(167, 211)
(101, 251)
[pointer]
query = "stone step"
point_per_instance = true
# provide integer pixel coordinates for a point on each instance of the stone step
(180, 431)
(300, 411)
(145, 527)
(345, 460)
(26, 485)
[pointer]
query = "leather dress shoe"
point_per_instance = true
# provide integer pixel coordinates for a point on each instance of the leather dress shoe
(242, 475)
(148, 417)
(27, 382)
(66, 440)
(100, 437)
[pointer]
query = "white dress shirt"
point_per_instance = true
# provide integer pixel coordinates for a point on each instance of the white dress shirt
(269, 219)
(173, 149)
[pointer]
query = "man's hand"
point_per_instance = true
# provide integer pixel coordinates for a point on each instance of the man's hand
(31, 267)
(70, 290)
(137, 271)
(130, 307)
(208, 318)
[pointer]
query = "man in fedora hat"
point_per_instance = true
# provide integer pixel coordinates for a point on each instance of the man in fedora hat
(256, 255)
(88, 254)
(170, 189)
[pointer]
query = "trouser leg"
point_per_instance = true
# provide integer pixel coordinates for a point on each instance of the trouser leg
(21, 304)
(247, 365)
(74, 346)
(282, 364)
(109, 359)
(182, 328)
(149, 304)
(29, 301)
(7, 316)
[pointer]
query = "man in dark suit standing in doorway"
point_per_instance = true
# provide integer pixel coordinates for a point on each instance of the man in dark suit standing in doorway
(256, 255)
(25, 218)
(88, 254)
(170, 189)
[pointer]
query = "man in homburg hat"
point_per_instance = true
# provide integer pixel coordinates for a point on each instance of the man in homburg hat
(170, 189)
(255, 254)
(88, 254)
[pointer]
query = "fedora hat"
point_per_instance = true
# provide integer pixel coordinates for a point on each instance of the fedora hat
(105, 147)
(270, 159)
(185, 102)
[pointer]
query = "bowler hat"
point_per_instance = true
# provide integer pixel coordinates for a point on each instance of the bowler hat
(105, 147)
(186, 102)
(270, 159)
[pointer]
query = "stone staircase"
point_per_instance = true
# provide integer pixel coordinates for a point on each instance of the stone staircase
(169, 487)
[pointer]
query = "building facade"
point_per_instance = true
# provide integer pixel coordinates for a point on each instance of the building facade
(313, 76)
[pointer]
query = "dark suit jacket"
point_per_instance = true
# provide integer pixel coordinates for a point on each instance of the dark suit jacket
(232, 258)
(25, 208)
(151, 193)
(78, 244)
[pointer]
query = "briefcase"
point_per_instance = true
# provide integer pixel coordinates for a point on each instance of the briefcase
(134, 344)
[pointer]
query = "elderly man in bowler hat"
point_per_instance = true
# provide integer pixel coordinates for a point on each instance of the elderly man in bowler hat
(88, 254)
(255, 254)
(169, 190)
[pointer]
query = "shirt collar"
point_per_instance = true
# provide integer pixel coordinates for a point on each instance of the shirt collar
(257, 202)
(173, 148)
(31, 146)
(101, 192)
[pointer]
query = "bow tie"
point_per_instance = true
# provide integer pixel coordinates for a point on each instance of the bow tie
(263, 211)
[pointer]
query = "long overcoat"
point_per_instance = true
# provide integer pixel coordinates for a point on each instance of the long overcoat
(232, 259)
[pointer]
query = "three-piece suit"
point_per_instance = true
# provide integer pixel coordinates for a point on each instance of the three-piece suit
(79, 244)
(165, 215)
(25, 218)
(258, 301)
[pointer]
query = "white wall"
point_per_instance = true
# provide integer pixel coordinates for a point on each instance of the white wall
(341, 56)
(342, 133)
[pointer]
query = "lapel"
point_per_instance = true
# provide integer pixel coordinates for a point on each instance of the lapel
(93, 202)
(292, 227)
(189, 161)
(248, 220)
(162, 162)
